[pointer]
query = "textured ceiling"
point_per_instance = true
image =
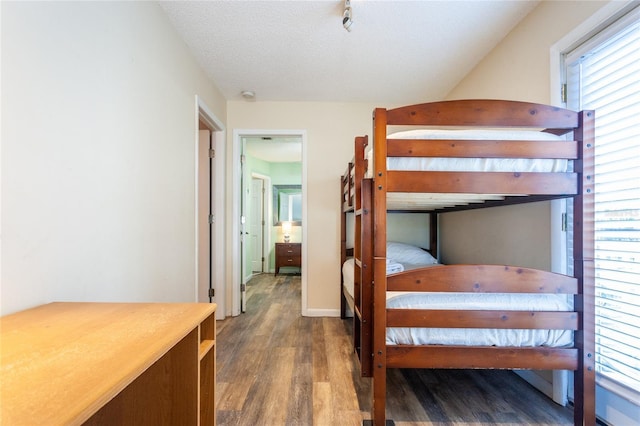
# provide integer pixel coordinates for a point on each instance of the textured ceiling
(397, 52)
(274, 149)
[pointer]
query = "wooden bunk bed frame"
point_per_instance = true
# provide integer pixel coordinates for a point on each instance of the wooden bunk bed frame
(367, 199)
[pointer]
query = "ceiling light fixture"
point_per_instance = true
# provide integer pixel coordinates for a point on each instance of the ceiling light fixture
(248, 94)
(347, 22)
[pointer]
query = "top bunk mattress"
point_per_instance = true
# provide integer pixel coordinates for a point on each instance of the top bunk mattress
(420, 201)
(473, 164)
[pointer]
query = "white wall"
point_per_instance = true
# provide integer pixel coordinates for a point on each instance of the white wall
(518, 67)
(410, 228)
(98, 154)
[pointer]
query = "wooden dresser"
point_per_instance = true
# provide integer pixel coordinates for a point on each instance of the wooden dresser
(288, 254)
(109, 363)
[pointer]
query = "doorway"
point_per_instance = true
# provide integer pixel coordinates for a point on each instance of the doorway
(210, 193)
(240, 218)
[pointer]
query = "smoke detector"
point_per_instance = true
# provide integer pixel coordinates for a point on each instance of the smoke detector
(248, 94)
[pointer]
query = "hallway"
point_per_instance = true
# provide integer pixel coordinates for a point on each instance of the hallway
(271, 361)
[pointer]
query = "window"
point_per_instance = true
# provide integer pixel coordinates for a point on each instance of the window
(603, 74)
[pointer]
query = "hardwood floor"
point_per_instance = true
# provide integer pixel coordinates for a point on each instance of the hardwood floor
(276, 367)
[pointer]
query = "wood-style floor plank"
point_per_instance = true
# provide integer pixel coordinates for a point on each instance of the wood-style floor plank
(323, 403)
(276, 367)
(319, 361)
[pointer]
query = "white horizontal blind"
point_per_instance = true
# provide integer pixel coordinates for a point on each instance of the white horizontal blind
(604, 75)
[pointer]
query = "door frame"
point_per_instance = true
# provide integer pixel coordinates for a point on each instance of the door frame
(217, 258)
(237, 150)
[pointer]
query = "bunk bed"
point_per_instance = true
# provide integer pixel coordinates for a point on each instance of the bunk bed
(515, 152)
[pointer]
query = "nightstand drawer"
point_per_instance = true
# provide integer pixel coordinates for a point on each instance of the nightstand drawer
(288, 249)
(290, 261)
(288, 254)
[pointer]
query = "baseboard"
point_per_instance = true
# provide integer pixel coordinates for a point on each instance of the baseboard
(321, 313)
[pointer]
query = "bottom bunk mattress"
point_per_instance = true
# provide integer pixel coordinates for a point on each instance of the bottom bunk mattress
(348, 270)
(478, 336)
(471, 301)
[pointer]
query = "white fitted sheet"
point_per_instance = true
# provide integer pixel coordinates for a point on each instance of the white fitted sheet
(348, 270)
(421, 201)
(478, 336)
(473, 164)
(467, 301)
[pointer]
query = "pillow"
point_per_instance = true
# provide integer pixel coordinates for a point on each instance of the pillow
(406, 253)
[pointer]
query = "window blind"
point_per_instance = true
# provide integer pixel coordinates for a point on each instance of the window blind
(604, 75)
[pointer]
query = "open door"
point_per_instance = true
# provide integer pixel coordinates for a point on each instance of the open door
(243, 232)
(205, 217)
(257, 224)
(210, 271)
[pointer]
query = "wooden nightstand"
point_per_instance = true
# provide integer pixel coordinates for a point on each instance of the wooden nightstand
(288, 254)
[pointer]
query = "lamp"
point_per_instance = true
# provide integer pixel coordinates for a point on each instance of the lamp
(286, 231)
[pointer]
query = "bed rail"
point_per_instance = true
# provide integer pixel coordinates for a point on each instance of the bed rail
(482, 279)
(489, 357)
(485, 113)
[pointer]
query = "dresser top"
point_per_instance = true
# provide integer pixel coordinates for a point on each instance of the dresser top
(61, 362)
